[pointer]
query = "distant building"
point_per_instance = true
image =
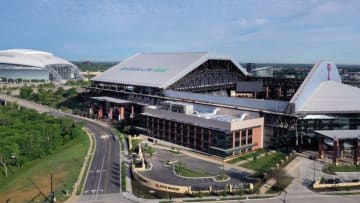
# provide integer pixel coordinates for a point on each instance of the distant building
(27, 64)
(267, 71)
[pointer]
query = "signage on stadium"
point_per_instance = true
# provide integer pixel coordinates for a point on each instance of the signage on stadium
(138, 69)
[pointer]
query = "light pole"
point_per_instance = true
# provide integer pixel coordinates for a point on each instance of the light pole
(285, 192)
(314, 169)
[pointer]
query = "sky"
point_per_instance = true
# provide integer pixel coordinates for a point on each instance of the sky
(288, 31)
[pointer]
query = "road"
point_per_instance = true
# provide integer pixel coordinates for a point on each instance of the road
(103, 181)
(104, 173)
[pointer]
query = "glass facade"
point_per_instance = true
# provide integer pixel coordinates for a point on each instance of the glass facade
(10, 71)
(306, 127)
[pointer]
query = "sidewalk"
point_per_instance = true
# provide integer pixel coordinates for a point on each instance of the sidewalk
(266, 186)
(289, 169)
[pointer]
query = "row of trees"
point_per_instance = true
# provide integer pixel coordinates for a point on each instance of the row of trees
(26, 135)
(49, 96)
(93, 66)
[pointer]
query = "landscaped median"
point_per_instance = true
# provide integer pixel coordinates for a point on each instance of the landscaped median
(270, 166)
(181, 170)
(265, 163)
(331, 169)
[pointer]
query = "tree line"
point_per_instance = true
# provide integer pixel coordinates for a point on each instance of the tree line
(27, 135)
(50, 96)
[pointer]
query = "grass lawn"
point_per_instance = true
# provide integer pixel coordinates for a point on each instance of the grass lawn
(135, 144)
(123, 176)
(175, 151)
(183, 171)
(246, 156)
(222, 177)
(332, 168)
(264, 163)
(149, 150)
(21, 184)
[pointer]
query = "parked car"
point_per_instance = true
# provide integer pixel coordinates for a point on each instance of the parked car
(337, 180)
(330, 181)
(312, 157)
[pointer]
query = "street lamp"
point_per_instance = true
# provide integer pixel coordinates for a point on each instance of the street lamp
(314, 169)
(285, 192)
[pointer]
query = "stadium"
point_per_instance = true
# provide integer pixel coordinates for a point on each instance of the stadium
(183, 98)
(32, 65)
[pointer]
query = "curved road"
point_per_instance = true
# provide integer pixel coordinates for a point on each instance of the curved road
(103, 181)
(104, 173)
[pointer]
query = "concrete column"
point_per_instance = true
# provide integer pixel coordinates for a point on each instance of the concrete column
(152, 126)
(233, 144)
(182, 134)
(100, 111)
(279, 92)
(188, 136)
(356, 151)
(158, 128)
(163, 123)
(341, 149)
(335, 151)
(132, 112)
(209, 139)
(91, 111)
(111, 113)
(321, 147)
(175, 132)
(202, 138)
(122, 113)
(169, 136)
(147, 123)
(267, 92)
(195, 132)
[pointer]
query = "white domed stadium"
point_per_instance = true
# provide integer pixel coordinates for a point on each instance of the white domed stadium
(30, 65)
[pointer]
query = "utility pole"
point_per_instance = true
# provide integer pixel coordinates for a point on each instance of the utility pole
(52, 194)
(285, 192)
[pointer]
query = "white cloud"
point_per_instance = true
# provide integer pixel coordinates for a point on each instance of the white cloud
(243, 22)
(261, 21)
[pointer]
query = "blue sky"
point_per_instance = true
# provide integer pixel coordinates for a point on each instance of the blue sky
(248, 30)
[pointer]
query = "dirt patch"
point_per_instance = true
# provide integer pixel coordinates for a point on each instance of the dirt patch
(36, 187)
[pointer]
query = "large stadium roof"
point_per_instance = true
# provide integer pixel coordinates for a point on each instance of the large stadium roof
(333, 97)
(27, 57)
(323, 92)
(157, 69)
(318, 74)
